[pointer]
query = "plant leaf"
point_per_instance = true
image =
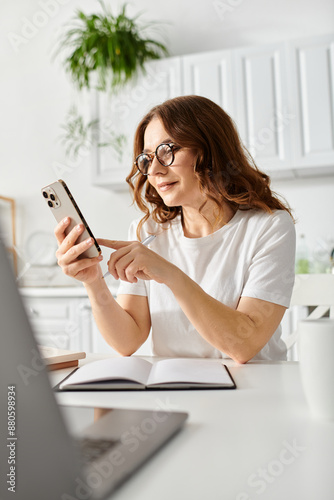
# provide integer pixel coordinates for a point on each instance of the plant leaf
(115, 46)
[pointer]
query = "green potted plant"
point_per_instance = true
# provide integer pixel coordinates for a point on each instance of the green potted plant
(79, 135)
(105, 52)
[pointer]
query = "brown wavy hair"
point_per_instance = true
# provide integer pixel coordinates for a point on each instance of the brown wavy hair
(224, 168)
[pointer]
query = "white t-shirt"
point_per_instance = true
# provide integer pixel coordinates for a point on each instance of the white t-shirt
(252, 256)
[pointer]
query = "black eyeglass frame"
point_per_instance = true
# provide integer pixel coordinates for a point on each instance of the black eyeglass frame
(153, 154)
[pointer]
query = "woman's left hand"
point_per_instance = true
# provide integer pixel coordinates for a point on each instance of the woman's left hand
(132, 261)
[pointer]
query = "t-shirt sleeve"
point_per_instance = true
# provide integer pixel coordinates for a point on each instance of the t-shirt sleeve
(270, 275)
(138, 288)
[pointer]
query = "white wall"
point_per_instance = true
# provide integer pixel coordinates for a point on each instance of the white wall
(35, 96)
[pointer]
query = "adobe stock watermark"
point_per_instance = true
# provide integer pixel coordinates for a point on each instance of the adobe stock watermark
(83, 152)
(257, 143)
(37, 364)
(33, 261)
(99, 137)
(226, 7)
(130, 100)
(260, 480)
(131, 439)
(39, 20)
(269, 134)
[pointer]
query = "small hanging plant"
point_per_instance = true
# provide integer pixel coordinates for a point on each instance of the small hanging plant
(103, 51)
(112, 47)
(79, 135)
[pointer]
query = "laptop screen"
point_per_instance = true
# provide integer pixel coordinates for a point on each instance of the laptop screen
(39, 450)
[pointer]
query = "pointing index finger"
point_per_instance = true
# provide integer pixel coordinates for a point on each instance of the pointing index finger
(115, 244)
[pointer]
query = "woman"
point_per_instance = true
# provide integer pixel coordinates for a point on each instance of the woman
(216, 280)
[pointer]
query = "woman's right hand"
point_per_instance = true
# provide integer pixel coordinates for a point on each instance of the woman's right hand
(68, 253)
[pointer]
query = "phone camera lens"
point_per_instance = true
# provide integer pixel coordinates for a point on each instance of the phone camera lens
(52, 196)
(50, 203)
(45, 194)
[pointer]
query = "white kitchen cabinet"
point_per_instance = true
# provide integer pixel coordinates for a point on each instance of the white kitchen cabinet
(312, 83)
(59, 316)
(250, 84)
(281, 97)
(210, 75)
(62, 317)
(54, 322)
(123, 113)
(263, 114)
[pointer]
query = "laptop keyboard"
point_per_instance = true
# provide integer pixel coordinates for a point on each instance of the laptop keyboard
(92, 449)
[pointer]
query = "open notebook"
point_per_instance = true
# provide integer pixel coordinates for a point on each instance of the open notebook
(137, 373)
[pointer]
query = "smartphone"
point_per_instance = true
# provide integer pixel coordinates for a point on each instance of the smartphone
(62, 204)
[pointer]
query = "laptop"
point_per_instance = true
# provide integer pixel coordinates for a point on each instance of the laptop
(39, 457)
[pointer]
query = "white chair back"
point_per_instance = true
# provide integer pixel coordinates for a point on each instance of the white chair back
(315, 290)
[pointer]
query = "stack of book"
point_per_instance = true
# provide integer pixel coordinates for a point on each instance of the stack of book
(56, 359)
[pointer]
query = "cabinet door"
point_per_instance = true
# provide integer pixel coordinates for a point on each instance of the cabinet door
(54, 321)
(312, 77)
(263, 113)
(121, 113)
(210, 75)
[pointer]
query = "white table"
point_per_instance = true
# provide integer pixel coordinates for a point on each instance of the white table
(256, 442)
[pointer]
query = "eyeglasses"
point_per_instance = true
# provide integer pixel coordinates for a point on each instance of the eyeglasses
(164, 153)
